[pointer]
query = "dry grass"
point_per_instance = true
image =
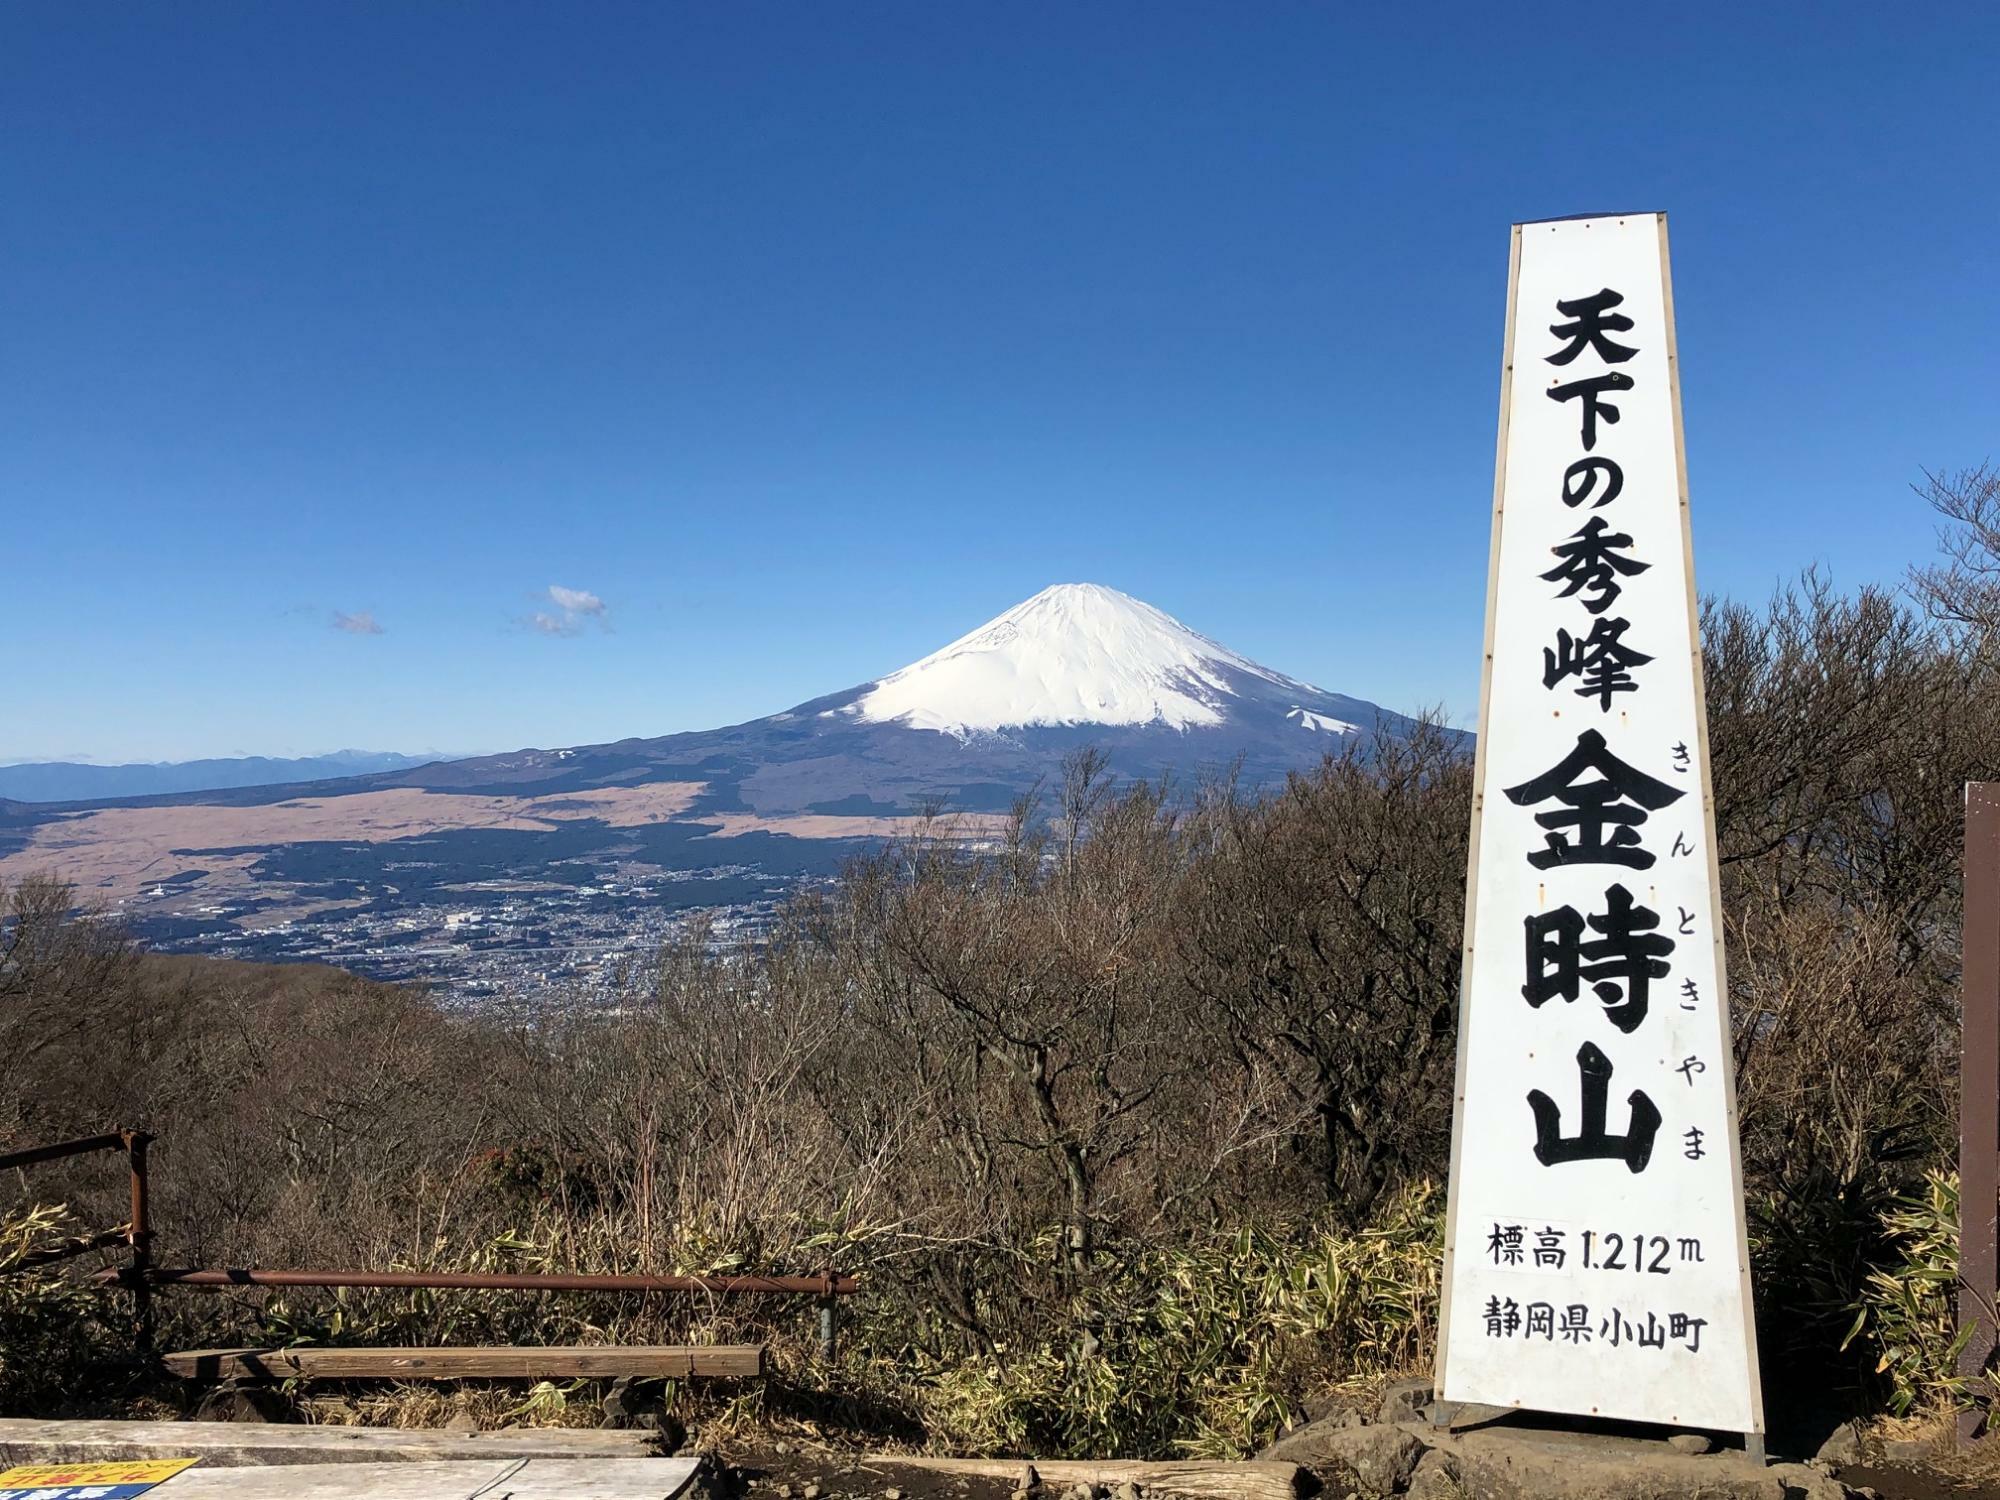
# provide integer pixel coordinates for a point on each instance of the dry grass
(113, 853)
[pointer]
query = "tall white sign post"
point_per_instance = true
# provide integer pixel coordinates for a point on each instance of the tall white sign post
(1595, 1260)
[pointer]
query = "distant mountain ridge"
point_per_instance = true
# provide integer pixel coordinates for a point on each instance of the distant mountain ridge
(83, 781)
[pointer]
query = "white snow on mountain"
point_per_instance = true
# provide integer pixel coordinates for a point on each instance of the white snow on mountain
(1076, 653)
(1305, 718)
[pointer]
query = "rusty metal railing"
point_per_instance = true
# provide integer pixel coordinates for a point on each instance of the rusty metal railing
(489, 1281)
(136, 1234)
(142, 1277)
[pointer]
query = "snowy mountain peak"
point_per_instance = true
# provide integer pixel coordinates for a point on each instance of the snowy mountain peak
(1076, 653)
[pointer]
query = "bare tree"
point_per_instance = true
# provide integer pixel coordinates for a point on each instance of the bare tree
(1035, 966)
(1965, 588)
(1324, 932)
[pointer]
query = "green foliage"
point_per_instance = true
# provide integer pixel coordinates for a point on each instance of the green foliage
(54, 1344)
(547, 1400)
(1906, 1311)
(1817, 1236)
(1206, 1346)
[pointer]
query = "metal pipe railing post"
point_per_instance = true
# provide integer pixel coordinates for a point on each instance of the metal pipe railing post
(829, 1328)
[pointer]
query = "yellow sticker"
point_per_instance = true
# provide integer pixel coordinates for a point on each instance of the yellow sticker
(98, 1481)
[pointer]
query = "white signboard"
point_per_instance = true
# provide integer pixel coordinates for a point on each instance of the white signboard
(1595, 1259)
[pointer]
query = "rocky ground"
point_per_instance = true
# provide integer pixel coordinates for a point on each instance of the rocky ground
(781, 1472)
(1492, 1455)
(1381, 1448)
(1365, 1461)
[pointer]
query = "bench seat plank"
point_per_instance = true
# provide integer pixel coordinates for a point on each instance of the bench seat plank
(33, 1440)
(521, 1479)
(504, 1362)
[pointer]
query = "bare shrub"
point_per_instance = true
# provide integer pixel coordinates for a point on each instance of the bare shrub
(1323, 935)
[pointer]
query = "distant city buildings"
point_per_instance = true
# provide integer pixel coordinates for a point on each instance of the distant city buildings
(573, 942)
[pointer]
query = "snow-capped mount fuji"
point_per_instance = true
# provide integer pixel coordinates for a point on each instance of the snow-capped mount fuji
(973, 725)
(1080, 653)
(1080, 657)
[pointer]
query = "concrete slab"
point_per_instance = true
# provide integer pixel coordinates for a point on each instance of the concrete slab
(26, 1440)
(457, 1479)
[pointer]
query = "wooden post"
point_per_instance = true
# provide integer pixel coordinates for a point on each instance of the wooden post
(136, 1142)
(1979, 1092)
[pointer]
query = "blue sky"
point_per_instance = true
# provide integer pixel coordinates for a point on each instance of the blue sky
(805, 337)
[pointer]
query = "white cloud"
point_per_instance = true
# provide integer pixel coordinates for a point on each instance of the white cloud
(361, 622)
(575, 601)
(571, 607)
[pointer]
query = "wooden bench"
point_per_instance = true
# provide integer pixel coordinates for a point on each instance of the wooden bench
(503, 1362)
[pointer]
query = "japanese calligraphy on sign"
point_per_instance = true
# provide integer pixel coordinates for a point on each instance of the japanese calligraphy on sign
(1595, 1260)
